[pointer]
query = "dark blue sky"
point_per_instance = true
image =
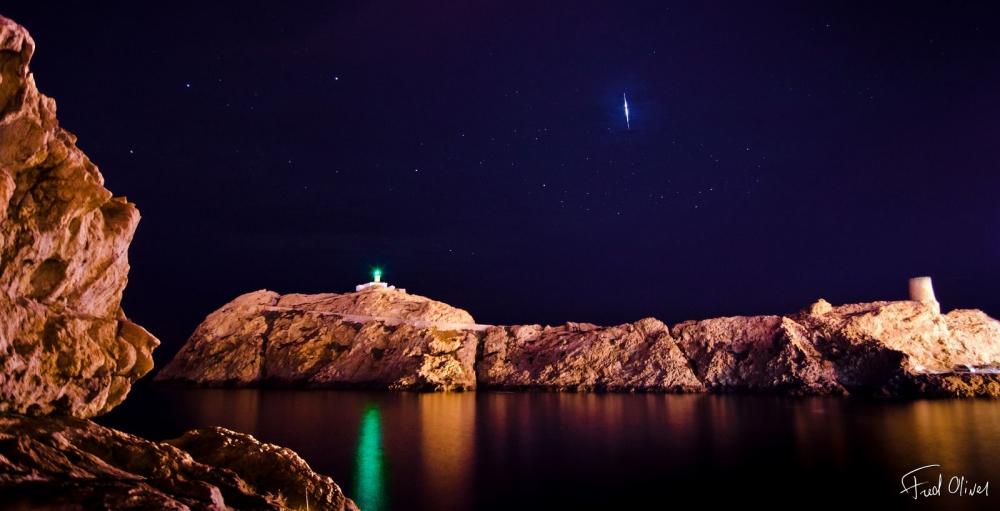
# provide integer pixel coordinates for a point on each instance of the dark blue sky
(779, 152)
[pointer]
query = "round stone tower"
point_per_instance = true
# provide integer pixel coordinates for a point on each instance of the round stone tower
(921, 290)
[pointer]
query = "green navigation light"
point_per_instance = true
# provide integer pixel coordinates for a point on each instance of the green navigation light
(369, 474)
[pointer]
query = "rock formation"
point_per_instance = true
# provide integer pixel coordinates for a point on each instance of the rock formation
(904, 347)
(582, 357)
(67, 351)
(65, 344)
(375, 338)
(66, 463)
(756, 354)
(390, 304)
(880, 348)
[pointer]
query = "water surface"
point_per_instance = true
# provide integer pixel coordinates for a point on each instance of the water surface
(486, 451)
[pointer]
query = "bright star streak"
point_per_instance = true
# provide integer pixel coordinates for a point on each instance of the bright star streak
(627, 125)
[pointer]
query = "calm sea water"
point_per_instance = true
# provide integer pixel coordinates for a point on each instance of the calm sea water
(486, 451)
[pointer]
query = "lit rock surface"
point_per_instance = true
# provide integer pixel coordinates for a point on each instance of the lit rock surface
(66, 463)
(65, 344)
(67, 351)
(583, 357)
(228, 347)
(380, 303)
(375, 338)
(756, 354)
(905, 347)
(880, 348)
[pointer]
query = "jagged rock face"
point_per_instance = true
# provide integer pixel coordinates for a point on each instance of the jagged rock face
(756, 353)
(886, 347)
(228, 347)
(66, 463)
(881, 348)
(297, 340)
(65, 344)
(324, 352)
(953, 385)
(928, 339)
(583, 357)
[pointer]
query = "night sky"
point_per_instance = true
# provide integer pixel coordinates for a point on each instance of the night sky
(478, 151)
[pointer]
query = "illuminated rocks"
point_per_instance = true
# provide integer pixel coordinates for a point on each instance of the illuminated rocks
(756, 354)
(376, 302)
(377, 338)
(880, 348)
(65, 344)
(383, 339)
(67, 351)
(234, 355)
(582, 357)
(66, 463)
(906, 348)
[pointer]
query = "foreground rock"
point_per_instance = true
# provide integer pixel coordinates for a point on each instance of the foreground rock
(881, 348)
(376, 338)
(65, 463)
(67, 350)
(65, 344)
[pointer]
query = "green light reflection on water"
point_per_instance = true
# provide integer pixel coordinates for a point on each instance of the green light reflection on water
(369, 473)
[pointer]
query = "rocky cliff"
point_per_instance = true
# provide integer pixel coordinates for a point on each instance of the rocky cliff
(880, 348)
(376, 338)
(65, 344)
(67, 351)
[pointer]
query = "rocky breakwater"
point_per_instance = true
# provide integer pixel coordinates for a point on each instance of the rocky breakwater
(900, 348)
(640, 356)
(376, 338)
(67, 351)
(879, 348)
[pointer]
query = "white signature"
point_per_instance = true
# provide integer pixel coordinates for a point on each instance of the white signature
(933, 486)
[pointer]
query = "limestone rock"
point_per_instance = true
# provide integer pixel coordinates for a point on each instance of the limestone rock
(880, 348)
(638, 356)
(375, 338)
(885, 347)
(956, 385)
(756, 354)
(227, 348)
(818, 308)
(65, 344)
(379, 302)
(66, 347)
(400, 358)
(66, 463)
